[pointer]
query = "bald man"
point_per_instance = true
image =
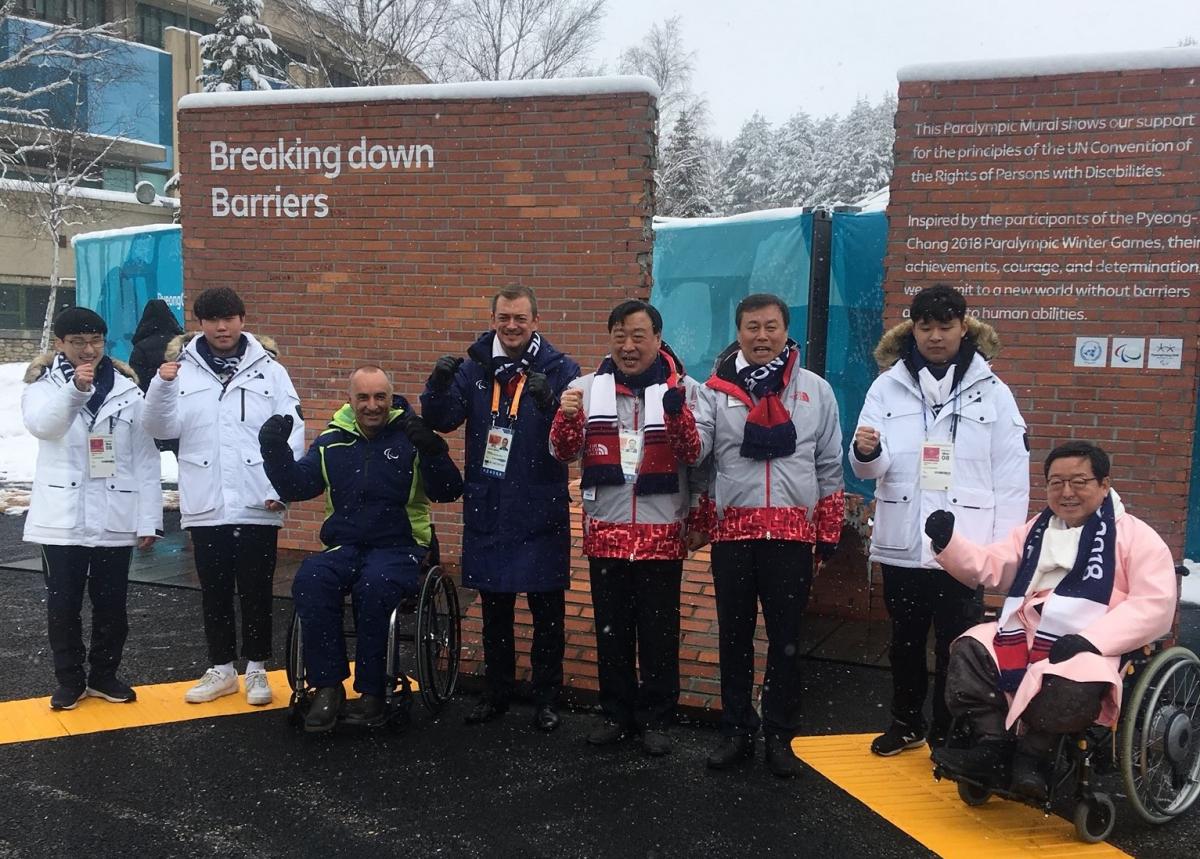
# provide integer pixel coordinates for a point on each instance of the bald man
(381, 467)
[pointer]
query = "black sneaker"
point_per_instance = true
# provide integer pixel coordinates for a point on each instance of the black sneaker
(608, 733)
(898, 738)
(111, 689)
(67, 697)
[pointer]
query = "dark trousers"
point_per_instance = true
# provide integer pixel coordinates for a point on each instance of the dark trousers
(105, 574)
(915, 599)
(1062, 706)
(637, 635)
(779, 574)
(377, 580)
(241, 559)
(546, 653)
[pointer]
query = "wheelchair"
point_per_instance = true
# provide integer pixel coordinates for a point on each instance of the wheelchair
(1155, 746)
(430, 623)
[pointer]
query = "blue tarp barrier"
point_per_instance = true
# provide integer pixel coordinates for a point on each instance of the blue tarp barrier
(118, 271)
(704, 267)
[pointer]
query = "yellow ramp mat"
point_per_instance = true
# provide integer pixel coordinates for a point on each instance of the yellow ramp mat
(32, 719)
(901, 790)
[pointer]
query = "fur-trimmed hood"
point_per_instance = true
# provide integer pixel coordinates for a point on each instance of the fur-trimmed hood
(893, 344)
(42, 364)
(179, 343)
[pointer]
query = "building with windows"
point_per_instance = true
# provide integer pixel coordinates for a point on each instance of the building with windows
(158, 59)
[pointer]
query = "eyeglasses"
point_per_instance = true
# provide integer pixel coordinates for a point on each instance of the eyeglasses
(83, 343)
(1056, 484)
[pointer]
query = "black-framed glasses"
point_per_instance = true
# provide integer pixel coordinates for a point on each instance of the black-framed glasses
(1056, 484)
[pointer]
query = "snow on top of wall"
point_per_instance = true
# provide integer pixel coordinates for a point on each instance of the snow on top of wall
(877, 201)
(90, 194)
(661, 223)
(1069, 64)
(123, 231)
(427, 92)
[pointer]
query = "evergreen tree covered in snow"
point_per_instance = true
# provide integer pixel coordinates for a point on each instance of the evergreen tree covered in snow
(684, 180)
(797, 151)
(750, 167)
(238, 49)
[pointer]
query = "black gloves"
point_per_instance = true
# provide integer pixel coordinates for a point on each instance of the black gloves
(274, 434)
(538, 388)
(824, 551)
(673, 401)
(426, 441)
(939, 527)
(1068, 646)
(443, 372)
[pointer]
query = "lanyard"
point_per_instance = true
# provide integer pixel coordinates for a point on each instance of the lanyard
(516, 400)
(953, 416)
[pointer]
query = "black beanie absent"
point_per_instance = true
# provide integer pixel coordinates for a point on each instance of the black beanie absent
(78, 320)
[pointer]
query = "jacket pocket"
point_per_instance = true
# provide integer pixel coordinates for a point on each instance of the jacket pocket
(55, 501)
(256, 488)
(897, 509)
(479, 513)
(974, 512)
(121, 497)
(199, 483)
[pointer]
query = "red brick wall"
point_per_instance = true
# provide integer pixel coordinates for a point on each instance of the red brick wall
(1119, 206)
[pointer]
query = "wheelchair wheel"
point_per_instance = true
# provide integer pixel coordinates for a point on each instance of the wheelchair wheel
(972, 794)
(1160, 737)
(1094, 818)
(438, 639)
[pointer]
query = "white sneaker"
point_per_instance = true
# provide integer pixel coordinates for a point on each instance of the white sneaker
(258, 690)
(213, 685)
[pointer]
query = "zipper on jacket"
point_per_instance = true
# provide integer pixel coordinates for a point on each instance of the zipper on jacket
(243, 405)
(633, 488)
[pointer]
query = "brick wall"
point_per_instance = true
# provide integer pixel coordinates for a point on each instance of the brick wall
(1054, 193)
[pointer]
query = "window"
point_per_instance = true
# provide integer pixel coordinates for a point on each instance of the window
(151, 21)
(24, 307)
(87, 13)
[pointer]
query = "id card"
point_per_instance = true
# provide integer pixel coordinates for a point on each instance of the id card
(631, 454)
(102, 456)
(495, 452)
(937, 463)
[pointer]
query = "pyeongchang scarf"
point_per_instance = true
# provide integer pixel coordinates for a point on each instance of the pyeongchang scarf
(224, 368)
(505, 369)
(1078, 600)
(658, 473)
(769, 432)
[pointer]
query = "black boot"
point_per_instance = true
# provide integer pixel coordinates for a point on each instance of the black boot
(986, 762)
(781, 760)
(546, 718)
(366, 711)
(485, 710)
(731, 752)
(325, 708)
(1028, 776)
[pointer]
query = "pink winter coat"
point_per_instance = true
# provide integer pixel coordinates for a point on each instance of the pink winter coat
(1141, 610)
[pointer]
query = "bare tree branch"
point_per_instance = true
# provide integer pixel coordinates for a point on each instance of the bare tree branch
(519, 39)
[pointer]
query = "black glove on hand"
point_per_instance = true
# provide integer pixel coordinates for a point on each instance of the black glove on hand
(673, 401)
(538, 388)
(825, 551)
(425, 440)
(443, 372)
(1068, 646)
(939, 527)
(274, 434)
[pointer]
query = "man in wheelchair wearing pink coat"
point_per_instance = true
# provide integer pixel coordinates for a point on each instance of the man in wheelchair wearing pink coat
(1087, 582)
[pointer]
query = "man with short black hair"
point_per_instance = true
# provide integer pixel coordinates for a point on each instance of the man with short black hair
(516, 522)
(213, 393)
(1087, 582)
(938, 430)
(96, 493)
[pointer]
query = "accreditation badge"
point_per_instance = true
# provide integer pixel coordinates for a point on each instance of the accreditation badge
(102, 455)
(937, 465)
(631, 454)
(496, 451)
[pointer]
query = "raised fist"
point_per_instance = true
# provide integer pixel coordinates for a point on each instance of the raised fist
(443, 372)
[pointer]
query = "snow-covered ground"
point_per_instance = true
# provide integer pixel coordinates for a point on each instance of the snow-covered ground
(18, 449)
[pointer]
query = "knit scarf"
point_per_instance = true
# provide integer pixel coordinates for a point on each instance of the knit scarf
(225, 368)
(769, 431)
(658, 472)
(504, 368)
(1077, 601)
(102, 382)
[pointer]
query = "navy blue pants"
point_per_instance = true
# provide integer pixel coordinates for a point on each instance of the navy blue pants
(377, 580)
(104, 573)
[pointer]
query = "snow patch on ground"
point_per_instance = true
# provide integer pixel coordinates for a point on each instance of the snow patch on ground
(1191, 583)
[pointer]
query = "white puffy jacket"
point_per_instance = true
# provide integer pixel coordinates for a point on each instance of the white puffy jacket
(68, 507)
(989, 491)
(221, 477)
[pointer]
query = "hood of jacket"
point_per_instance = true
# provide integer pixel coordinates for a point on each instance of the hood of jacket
(157, 320)
(44, 363)
(179, 343)
(893, 345)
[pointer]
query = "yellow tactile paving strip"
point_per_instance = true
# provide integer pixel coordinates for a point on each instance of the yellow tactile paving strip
(901, 790)
(32, 719)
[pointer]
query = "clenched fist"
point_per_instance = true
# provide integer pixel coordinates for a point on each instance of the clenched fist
(85, 374)
(571, 403)
(866, 441)
(168, 371)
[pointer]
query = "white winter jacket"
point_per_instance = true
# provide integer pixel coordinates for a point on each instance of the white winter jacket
(68, 507)
(989, 491)
(221, 477)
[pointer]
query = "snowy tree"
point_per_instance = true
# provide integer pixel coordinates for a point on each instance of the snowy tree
(238, 48)
(662, 57)
(496, 40)
(750, 168)
(855, 155)
(373, 41)
(797, 154)
(685, 186)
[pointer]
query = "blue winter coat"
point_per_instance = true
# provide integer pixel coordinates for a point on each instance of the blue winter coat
(516, 530)
(377, 491)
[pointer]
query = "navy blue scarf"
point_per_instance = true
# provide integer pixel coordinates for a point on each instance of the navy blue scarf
(102, 382)
(225, 368)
